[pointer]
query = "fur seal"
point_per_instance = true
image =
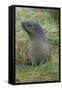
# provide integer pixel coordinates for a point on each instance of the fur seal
(38, 48)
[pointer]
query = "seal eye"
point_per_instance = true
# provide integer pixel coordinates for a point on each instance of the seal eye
(29, 25)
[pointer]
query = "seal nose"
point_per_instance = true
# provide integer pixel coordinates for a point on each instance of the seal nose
(22, 22)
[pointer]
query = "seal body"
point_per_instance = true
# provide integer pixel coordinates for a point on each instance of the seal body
(38, 47)
(39, 51)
